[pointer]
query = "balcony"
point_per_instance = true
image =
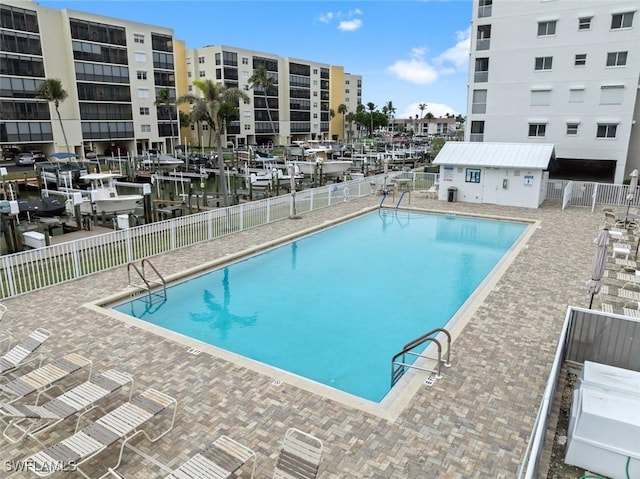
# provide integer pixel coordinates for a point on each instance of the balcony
(483, 43)
(481, 77)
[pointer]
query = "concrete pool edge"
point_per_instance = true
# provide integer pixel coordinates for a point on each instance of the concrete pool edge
(398, 398)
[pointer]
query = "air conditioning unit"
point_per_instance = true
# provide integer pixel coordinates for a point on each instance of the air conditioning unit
(604, 427)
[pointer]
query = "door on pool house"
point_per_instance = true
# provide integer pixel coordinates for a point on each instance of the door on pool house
(491, 181)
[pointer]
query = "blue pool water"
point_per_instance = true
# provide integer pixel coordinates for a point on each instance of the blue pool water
(336, 306)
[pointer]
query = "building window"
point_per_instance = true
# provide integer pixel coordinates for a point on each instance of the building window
(543, 63)
(189, 74)
(247, 127)
(143, 93)
(193, 127)
(245, 61)
(537, 129)
(138, 38)
(606, 130)
(484, 8)
(572, 129)
(141, 74)
(246, 114)
(144, 110)
(205, 127)
(621, 20)
(481, 72)
(611, 94)
(540, 97)
(200, 60)
(616, 59)
(479, 101)
(584, 23)
(315, 116)
(546, 28)
(315, 93)
(581, 60)
(141, 57)
(315, 71)
(190, 88)
(477, 131)
(145, 128)
(201, 74)
(576, 95)
(188, 60)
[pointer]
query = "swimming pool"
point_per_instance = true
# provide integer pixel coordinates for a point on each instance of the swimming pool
(334, 307)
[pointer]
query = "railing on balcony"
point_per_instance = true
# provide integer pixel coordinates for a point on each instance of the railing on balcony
(481, 77)
(483, 43)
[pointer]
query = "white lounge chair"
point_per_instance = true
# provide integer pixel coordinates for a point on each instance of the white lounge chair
(18, 355)
(120, 425)
(44, 378)
(32, 420)
(218, 461)
(299, 456)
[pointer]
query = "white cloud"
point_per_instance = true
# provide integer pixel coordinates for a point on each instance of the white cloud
(350, 25)
(326, 17)
(422, 71)
(346, 21)
(415, 70)
(457, 57)
(437, 109)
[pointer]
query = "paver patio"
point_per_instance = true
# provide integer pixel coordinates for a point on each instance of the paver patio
(473, 423)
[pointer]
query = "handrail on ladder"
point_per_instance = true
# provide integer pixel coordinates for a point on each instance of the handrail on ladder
(143, 277)
(398, 368)
(402, 196)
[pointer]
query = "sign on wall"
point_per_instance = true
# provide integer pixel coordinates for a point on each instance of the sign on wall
(447, 173)
(528, 180)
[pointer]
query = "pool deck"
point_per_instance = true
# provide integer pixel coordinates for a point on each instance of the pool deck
(473, 423)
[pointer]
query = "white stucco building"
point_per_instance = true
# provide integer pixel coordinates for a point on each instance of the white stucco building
(560, 72)
(506, 174)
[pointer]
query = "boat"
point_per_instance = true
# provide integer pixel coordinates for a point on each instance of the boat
(41, 208)
(318, 160)
(103, 196)
(62, 172)
(268, 176)
(161, 162)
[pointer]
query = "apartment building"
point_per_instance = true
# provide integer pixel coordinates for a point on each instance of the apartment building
(111, 69)
(115, 70)
(561, 72)
(298, 107)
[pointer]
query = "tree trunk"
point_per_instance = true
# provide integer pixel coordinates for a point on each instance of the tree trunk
(66, 142)
(222, 173)
(273, 129)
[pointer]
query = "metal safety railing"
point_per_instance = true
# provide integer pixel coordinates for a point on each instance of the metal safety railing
(400, 366)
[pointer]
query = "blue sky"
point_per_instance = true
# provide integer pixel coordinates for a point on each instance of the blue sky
(408, 52)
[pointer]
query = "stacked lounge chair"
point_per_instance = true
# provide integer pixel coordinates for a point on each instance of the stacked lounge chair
(30, 420)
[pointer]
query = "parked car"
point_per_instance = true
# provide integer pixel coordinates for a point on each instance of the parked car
(10, 153)
(25, 159)
(39, 156)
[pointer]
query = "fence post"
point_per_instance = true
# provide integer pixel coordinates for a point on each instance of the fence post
(8, 273)
(595, 195)
(127, 239)
(76, 260)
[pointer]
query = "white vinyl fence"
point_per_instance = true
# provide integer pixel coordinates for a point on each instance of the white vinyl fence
(590, 194)
(38, 268)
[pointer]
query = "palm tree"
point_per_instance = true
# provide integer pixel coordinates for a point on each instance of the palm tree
(371, 107)
(166, 103)
(52, 91)
(214, 96)
(422, 107)
(350, 118)
(332, 115)
(342, 110)
(390, 112)
(265, 82)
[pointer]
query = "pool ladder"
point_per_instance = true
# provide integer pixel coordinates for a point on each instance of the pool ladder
(148, 285)
(399, 364)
